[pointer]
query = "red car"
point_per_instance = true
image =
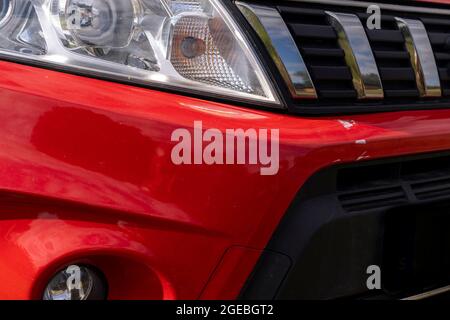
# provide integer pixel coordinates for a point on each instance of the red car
(218, 149)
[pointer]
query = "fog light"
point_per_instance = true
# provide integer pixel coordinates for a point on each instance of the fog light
(76, 283)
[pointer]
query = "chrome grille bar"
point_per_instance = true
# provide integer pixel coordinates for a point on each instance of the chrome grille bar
(358, 54)
(422, 57)
(272, 30)
(429, 294)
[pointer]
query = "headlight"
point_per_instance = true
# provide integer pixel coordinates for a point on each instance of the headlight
(189, 44)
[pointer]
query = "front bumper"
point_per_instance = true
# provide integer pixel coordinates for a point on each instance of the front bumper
(86, 176)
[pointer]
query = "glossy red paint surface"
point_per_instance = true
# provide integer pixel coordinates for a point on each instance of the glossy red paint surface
(86, 177)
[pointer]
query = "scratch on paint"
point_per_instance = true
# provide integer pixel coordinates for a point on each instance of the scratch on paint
(363, 156)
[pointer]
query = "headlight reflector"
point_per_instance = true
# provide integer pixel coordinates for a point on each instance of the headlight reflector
(6, 7)
(190, 44)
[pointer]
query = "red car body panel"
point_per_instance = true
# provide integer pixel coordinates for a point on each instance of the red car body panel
(86, 177)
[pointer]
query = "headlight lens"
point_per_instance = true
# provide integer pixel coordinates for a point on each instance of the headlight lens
(189, 44)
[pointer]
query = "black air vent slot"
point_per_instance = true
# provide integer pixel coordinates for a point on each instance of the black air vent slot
(434, 189)
(373, 198)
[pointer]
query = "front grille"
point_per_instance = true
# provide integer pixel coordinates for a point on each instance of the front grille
(327, 60)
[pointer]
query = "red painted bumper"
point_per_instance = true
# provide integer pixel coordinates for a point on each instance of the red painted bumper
(86, 176)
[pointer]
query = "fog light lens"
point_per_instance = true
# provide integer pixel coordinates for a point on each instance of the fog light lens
(75, 283)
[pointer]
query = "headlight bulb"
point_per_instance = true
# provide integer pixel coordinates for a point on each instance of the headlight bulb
(192, 47)
(101, 23)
